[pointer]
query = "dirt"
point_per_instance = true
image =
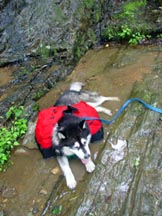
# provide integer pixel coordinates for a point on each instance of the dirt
(108, 71)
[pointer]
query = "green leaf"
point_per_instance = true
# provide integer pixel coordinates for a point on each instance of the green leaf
(137, 161)
(16, 143)
(57, 210)
(9, 136)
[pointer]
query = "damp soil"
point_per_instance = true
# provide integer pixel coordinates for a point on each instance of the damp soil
(26, 185)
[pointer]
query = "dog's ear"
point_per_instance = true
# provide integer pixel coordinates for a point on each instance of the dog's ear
(82, 124)
(61, 135)
(70, 109)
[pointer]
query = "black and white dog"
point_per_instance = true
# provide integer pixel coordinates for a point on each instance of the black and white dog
(63, 131)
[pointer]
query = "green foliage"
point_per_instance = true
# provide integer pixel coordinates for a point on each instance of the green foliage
(159, 36)
(97, 14)
(137, 162)
(38, 94)
(136, 38)
(57, 210)
(131, 8)
(128, 25)
(35, 107)
(80, 46)
(125, 32)
(88, 3)
(9, 136)
(83, 42)
(110, 33)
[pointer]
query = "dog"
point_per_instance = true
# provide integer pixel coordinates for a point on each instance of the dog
(63, 131)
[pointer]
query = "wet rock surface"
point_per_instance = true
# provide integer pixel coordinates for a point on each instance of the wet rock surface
(65, 29)
(31, 28)
(40, 42)
(26, 87)
(127, 179)
(44, 40)
(131, 176)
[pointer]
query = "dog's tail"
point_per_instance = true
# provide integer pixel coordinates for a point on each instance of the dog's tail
(76, 86)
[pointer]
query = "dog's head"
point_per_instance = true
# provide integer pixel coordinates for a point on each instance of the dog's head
(74, 137)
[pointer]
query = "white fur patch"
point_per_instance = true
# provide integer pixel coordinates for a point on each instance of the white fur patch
(68, 151)
(76, 86)
(90, 166)
(55, 138)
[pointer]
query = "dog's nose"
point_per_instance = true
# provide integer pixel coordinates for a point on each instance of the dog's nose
(87, 156)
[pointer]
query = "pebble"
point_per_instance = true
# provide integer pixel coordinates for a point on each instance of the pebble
(44, 192)
(55, 170)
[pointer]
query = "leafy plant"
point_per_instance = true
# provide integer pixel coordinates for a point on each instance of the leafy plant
(130, 8)
(38, 94)
(159, 36)
(136, 38)
(127, 24)
(137, 162)
(57, 210)
(125, 32)
(88, 3)
(9, 136)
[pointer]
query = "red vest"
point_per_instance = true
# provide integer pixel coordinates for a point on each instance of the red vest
(48, 118)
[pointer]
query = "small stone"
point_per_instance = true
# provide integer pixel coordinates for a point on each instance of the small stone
(107, 45)
(35, 210)
(55, 171)
(20, 150)
(44, 192)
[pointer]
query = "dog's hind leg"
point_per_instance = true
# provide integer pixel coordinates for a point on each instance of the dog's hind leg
(101, 99)
(104, 110)
(64, 164)
(109, 98)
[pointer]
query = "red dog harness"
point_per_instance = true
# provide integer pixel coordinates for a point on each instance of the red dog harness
(48, 118)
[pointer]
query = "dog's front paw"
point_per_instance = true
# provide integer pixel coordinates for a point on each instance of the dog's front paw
(90, 166)
(71, 182)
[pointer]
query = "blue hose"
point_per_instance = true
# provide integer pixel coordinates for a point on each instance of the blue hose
(122, 108)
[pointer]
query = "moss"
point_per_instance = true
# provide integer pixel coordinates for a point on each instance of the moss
(88, 3)
(79, 47)
(38, 94)
(131, 8)
(83, 42)
(86, 36)
(46, 50)
(98, 14)
(35, 107)
(59, 14)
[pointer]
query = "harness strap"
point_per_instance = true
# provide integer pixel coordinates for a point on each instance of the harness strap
(123, 107)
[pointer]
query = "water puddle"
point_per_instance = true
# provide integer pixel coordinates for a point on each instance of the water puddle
(110, 72)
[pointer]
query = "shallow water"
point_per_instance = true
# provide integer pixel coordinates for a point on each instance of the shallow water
(109, 71)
